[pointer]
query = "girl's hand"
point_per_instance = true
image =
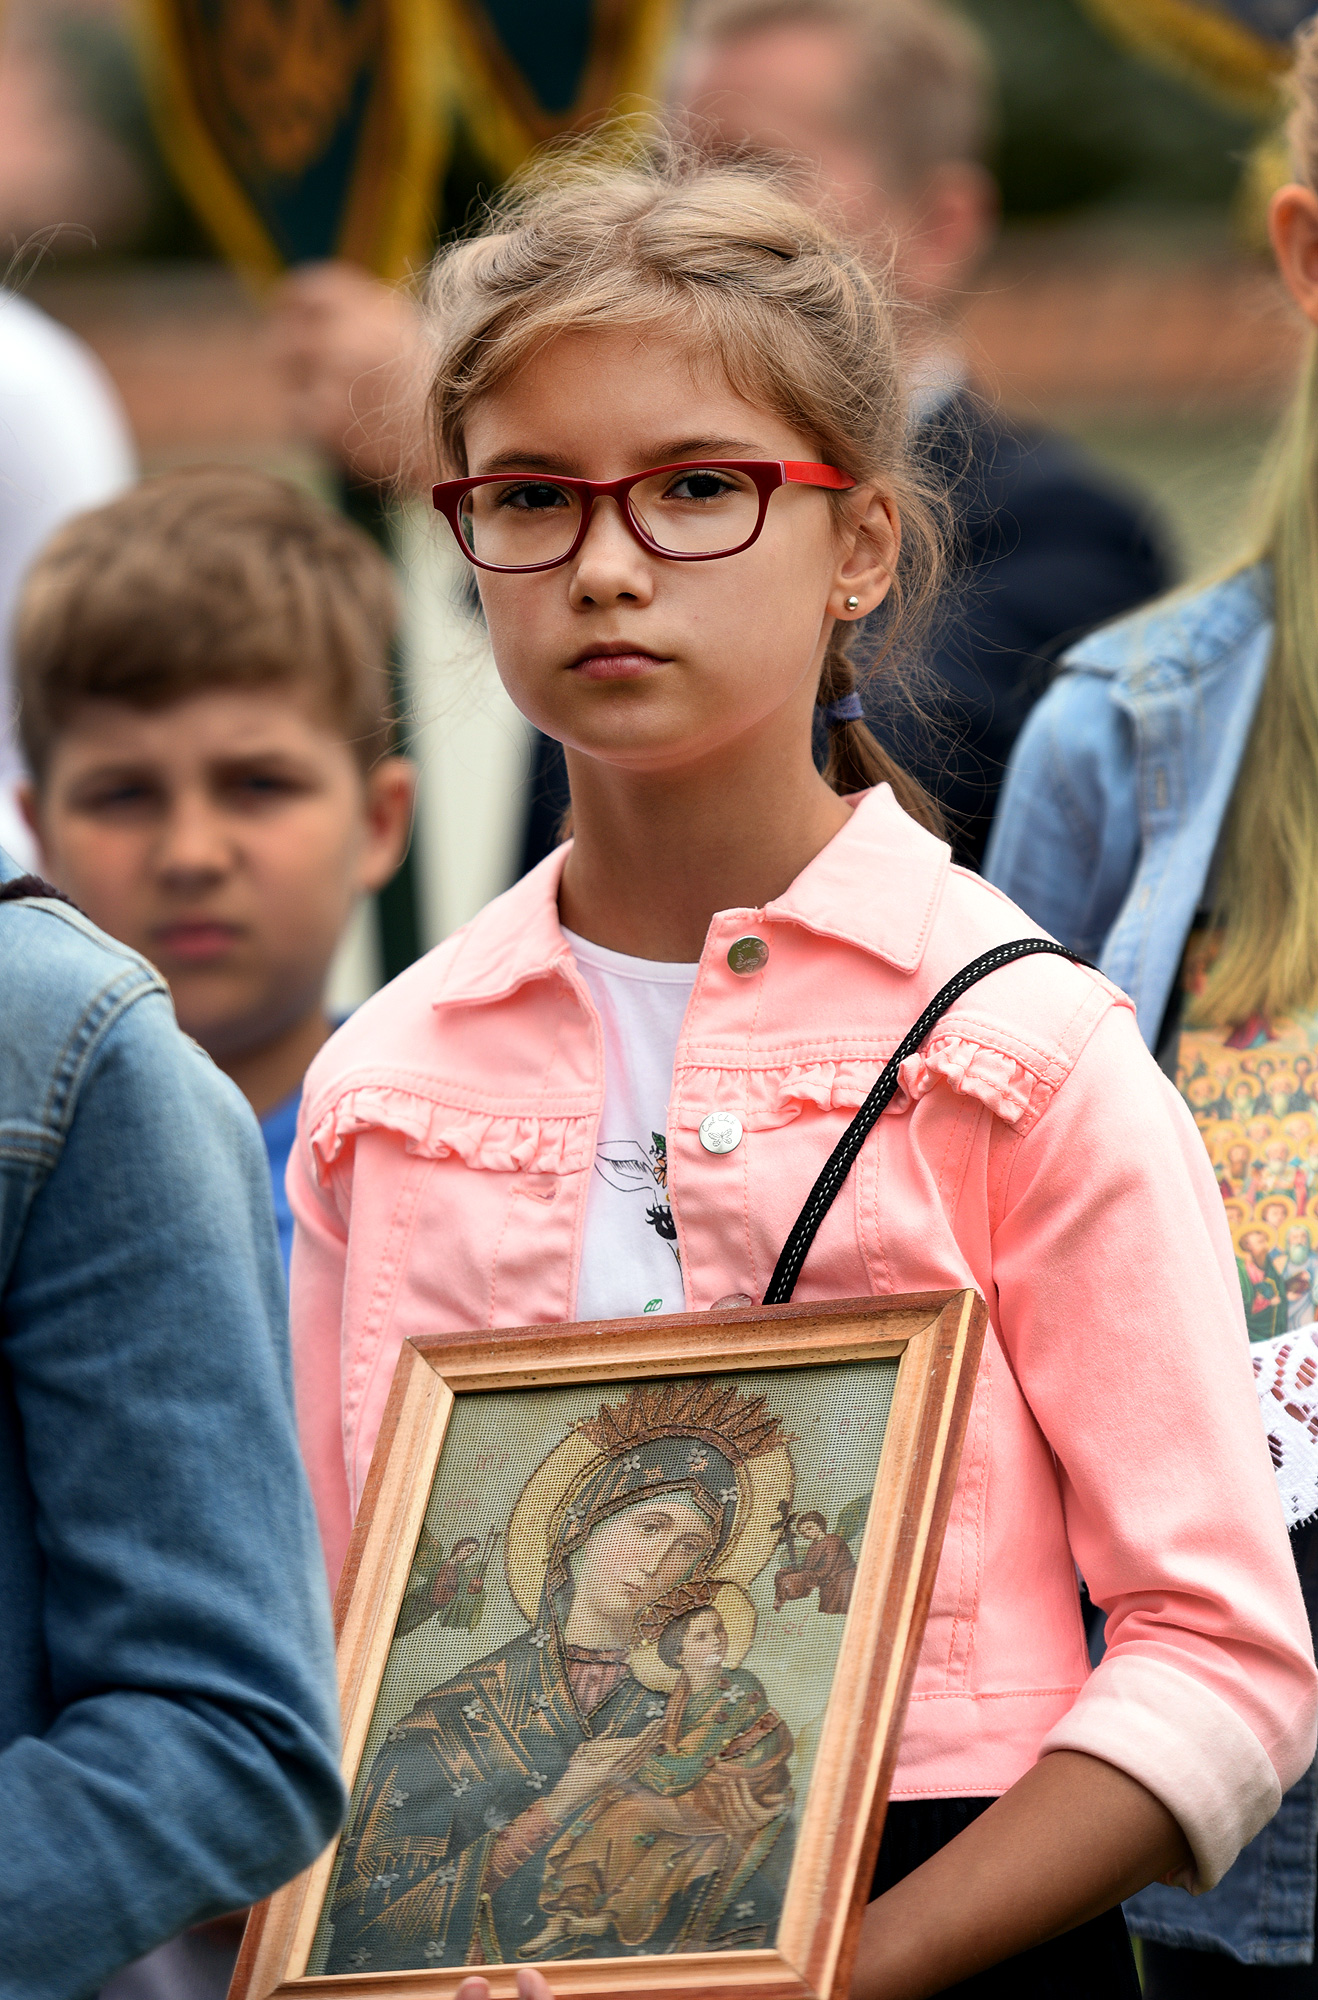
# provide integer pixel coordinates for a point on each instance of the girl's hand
(531, 1985)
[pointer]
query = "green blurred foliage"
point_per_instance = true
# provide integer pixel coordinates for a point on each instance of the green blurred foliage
(1084, 123)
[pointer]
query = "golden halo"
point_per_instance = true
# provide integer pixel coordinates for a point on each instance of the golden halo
(763, 1484)
(768, 1486)
(738, 1614)
(533, 1523)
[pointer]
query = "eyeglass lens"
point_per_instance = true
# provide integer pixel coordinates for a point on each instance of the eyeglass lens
(706, 511)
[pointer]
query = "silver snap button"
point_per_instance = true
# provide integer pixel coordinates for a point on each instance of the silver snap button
(720, 1132)
(732, 1299)
(748, 954)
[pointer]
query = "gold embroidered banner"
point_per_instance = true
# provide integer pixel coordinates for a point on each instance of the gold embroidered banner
(1237, 51)
(525, 71)
(302, 129)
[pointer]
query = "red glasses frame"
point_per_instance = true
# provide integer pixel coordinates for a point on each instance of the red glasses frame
(766, 474)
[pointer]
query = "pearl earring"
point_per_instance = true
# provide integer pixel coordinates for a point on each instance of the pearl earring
(853, 604)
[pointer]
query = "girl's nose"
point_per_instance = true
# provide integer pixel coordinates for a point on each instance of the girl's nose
(610, 567)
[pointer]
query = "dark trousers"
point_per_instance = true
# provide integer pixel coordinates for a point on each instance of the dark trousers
(1173, 1974)
(1092, 1962)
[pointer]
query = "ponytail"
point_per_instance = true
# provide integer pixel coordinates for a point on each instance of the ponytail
(856, 758)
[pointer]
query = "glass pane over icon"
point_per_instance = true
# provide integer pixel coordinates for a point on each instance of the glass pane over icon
(597, 1726)
(702, 511)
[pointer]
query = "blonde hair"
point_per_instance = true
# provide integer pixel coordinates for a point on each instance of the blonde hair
(723, 257)
(1267, 887)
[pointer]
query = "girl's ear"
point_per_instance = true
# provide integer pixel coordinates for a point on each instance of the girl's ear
(1293, 227)
(867, 557)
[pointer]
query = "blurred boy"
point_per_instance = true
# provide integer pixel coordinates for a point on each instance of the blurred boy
(202, 668)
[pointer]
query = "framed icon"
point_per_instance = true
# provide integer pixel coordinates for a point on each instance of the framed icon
(626, 1633)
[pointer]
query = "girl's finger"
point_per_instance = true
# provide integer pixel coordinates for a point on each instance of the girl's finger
(531, 1985)
(477, 1989)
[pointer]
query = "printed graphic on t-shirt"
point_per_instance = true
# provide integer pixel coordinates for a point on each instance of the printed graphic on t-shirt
(1253, 1090)
(633, 1168)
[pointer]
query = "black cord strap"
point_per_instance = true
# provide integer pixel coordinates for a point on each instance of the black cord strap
(841, 1159)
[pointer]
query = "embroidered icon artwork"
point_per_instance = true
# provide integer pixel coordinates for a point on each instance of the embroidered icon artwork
(596, 1731)
(1253, 1090)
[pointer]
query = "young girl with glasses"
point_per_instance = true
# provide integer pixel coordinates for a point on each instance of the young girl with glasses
(669, 412)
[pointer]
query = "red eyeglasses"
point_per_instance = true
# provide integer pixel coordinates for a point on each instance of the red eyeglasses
(693, 512)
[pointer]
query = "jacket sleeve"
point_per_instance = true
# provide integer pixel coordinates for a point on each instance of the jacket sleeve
(1066, 837)
(189, 1765)
(1120, 1314)
(318, 1284)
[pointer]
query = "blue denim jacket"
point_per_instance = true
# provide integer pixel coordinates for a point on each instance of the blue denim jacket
(1106, 832)
(168, 1724)
(1121, 779)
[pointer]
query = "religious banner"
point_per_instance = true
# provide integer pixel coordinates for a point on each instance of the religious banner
(628, 1627)
(1236, 50)
(302, 129)
(522, 72)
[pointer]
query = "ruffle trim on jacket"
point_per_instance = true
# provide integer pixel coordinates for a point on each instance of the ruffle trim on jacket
(556, 1140)
(770, 1097)
(1009, 1089)
(499, 1142)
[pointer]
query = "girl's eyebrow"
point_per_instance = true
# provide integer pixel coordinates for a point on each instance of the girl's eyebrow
(528, 461)
(673, 452)
(704, 447)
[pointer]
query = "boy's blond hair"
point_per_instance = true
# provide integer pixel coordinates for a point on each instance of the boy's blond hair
(922, 87)
(212, 577)
(725, 260)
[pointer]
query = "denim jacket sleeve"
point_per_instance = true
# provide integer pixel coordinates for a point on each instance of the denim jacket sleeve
(1066, 838)
(1122, 777)
(176, 1755)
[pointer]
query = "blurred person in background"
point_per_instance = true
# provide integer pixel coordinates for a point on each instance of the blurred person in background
(168, 1716)
(204, 672)
(1161, 816)
(890, 101)
(64, 445)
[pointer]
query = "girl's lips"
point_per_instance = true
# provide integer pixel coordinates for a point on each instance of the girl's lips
(196, 942)
(616, 666)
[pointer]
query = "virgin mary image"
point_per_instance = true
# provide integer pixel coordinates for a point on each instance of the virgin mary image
(612, 1779)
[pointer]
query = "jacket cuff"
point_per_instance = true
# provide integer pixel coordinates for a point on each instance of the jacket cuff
(1184, 1744)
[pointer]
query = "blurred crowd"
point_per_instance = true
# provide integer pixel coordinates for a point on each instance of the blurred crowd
(203, 776)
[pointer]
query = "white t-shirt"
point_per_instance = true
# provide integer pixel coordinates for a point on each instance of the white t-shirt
(629, 1261)
(64, 445)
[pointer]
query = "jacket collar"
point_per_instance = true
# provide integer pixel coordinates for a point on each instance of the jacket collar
(876, 885)
(1179, 642)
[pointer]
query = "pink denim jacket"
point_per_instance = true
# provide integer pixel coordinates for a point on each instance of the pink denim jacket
(1035, 1151)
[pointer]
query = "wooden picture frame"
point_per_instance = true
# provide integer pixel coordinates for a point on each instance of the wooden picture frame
(934, 1341)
